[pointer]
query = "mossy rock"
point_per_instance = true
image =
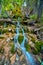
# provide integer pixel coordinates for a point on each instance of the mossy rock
(20, 38)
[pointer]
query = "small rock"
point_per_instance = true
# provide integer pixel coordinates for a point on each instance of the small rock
(19, 52)
(21, 57)
(10, 30)
(8, 40)
(12, 38)
(24, 64)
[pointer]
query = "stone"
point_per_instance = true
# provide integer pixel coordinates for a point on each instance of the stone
(19, 52)
(8, 40)
(11, 38)
(21, 57)
(10, 30)
(24, 64)
(13, 58)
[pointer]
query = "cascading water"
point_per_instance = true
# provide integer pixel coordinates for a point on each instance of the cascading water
(28, 56)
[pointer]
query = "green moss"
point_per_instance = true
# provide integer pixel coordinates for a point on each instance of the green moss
(33, 39)
(20, 38)
(12, 48)
(20, 31)
(34, 16)
(27, 46)
(35, 52)
(38, 46)
(4, 30)
(0, 31)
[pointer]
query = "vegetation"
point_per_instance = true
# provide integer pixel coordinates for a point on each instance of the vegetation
(34, 17)
(2, 49)
(27, 46)
(30, 15)
(20, 38)
(12, 48)
(38, 46)
(1, 37)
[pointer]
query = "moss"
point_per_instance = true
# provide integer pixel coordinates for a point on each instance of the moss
(41, 19)
(34, 16)
(4, 30)
(20, 31)
(27, 46)
(35, 52)
(2, 49)
(12, 48)
(38, 46)
(20, 38)
(33, 40)
(0, 31)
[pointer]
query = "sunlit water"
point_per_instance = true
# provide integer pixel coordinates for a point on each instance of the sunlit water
(28, 56)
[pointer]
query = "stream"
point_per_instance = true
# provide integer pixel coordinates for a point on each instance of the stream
(30, 59)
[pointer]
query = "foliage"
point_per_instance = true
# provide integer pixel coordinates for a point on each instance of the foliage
(2, 49)
(34, 16)
(3, 30)
(38, 46)
(27, 46)
(8, 6)
(41, 19)
(16, 12)
(12, 48)
(20, 38)
(32, 3)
